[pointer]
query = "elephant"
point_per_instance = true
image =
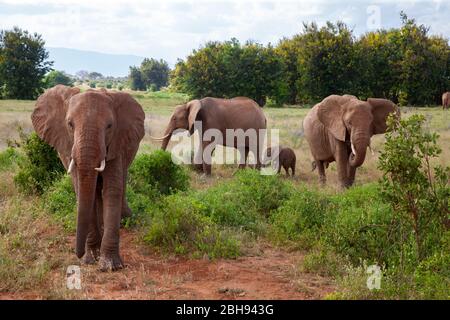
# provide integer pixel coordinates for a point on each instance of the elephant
(222, 115)
(96, 135)
(446, 100)
(283, 157)
(339, 129)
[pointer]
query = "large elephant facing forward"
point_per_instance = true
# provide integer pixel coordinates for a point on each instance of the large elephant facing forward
(339, 129)
(97, 135)
(222, 115)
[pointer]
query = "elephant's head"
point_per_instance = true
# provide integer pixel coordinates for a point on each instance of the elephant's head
(351, 120)
(183, 117)
(88, 130)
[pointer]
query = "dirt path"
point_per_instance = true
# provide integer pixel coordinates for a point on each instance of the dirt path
(274, 274)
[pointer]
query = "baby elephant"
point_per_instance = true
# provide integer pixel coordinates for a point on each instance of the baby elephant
(286, 158)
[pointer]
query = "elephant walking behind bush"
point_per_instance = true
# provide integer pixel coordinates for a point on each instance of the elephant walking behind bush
(339, 129)
(241, 114)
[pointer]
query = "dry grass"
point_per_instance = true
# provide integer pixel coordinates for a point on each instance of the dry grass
(288, 120)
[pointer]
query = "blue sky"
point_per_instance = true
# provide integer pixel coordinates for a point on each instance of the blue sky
(171, 29)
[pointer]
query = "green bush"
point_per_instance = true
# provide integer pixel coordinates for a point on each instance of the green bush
(246, 201)
(40, 167)
(323, 260)
(300, 217)
(156, 171)
(358, 226)
(8, 158)
(142, 207)
(61, 202)
(179, 226)
(418, 193)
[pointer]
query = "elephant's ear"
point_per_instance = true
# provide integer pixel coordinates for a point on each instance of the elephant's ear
(381, 108)
(193, 108)
(129, 125)
(330, 113)
(49, 115)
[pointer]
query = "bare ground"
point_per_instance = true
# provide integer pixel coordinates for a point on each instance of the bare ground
(272, 274)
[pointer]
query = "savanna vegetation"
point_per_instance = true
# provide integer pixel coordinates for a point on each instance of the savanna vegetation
(396, 216)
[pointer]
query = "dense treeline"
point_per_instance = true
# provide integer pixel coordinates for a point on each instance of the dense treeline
(406, 65)
(229, 69)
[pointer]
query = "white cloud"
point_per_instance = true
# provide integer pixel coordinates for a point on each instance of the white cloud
(172, 29)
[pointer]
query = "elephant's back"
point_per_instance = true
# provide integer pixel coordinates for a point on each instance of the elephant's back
(237, 113)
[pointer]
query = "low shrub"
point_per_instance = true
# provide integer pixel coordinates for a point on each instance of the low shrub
(142, 207)
(179, 226)
(156, 172)
(246, 201)
(324, 260)
(300, 218)
(61, 202)
(40, 166)
(357, 226)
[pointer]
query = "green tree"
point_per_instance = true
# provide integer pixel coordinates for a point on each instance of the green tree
(228, 69)
(288, 50)
(95, 75)
(23, 63)
(326, 62)
(380, 57)
(135, 79)
(424, 67)
(155, 73)
(55, 77)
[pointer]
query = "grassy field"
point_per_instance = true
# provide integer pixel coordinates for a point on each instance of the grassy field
(159, 106)
(284, 243)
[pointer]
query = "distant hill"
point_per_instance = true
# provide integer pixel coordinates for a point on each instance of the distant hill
(72, 60)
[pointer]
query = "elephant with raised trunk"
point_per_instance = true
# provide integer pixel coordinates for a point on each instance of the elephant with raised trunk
(222, 115)
(339, 129)
(97, 135)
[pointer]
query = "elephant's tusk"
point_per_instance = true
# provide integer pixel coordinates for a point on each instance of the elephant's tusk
(353, 149)
(71, 165)
(160, 138)
(102, 166)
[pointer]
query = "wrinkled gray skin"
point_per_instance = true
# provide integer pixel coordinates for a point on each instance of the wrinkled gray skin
(97, 132)
(339, 129)
(222, 114)
(282, 157)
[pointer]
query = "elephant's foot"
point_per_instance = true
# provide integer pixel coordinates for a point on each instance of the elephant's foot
(91, 256)
(198, 167)
(110, 262)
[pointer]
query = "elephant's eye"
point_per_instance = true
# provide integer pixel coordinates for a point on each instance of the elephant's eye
(109, 126)
(70, 124)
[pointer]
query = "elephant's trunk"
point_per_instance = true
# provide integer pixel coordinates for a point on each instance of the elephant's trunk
(167, 136)
(87, 184)
(359, 144)
(89, 154)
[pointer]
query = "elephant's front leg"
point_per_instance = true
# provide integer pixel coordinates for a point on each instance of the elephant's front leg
(351, 171)
(342, 164)
(208, 149)
(112, 209)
